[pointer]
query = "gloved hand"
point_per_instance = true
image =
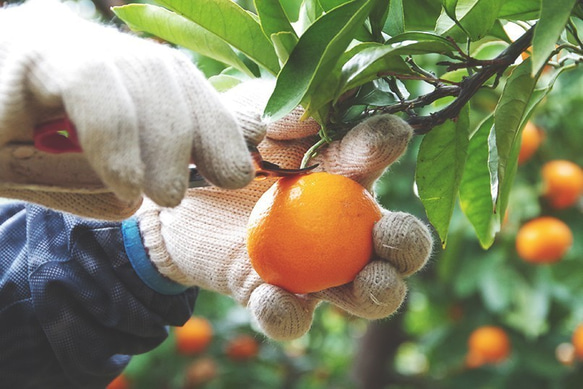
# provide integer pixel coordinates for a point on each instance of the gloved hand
(202, 241)
(142, 111)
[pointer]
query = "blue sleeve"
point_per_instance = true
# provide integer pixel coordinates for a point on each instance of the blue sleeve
(77, 299)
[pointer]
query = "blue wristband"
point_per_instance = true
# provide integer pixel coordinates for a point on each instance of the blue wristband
(141, 262)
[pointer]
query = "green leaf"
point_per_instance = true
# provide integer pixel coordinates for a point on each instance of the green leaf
(489, 50)
(362, 69)
(440, 163)
(362, 34)
(272, 17)
(369, 63)
(180, 31)
(315, 55)
(420, 43)
(364, 65)
(291, 9)
(310, 10)
(478, 16)
(553, 17)
(520, 10)
(364, 62)
(540, 93)
(224, 82)
(470, 272)
(475, 197)
(498, 32)
(233, 24)
(510, 111)
(497, 284)
(276, 25)
(328, 89)
(578, 11)
(507, 169)
(395, 22)
(378, 16)
(328, 5)
(532, 305)
(449, 8)
(420, 15)
(370, 94)
(475, 17)
(493, 164)
(367, 60)
(284, 43)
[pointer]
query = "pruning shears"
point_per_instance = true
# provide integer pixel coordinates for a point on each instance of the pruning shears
(59, 136)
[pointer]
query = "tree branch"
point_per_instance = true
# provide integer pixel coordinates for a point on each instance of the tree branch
(104, 7)
(378, 346)
(466, 89)
(421, 101)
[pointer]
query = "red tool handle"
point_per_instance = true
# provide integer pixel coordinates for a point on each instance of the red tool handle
(56, 136)
(53, 163)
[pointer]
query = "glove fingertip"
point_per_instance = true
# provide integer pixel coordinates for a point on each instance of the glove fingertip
(381, 288)
(253, 127)
(368, 149)
(125, 182)
(224, 159)
(167, 192)
(404, 241)
(279, 314)
(382, 139)
(376, 292)
(235, 174)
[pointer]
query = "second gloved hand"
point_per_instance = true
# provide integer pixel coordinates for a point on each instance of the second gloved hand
(202, 242)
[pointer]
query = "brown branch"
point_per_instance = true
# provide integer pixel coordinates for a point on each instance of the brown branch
(376, 349)
(469, 63)
(430, 80)
(104, 6)
(470, 85)
(422, 101)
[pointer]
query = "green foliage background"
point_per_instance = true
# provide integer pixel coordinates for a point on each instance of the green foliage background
(336, 47)
(463, 287)
(344, 61)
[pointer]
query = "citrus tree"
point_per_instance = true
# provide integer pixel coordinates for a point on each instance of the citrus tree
(431, 61)
(491, 88)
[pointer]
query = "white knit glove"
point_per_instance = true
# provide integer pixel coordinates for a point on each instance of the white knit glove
(202, 241)
(141, 109)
